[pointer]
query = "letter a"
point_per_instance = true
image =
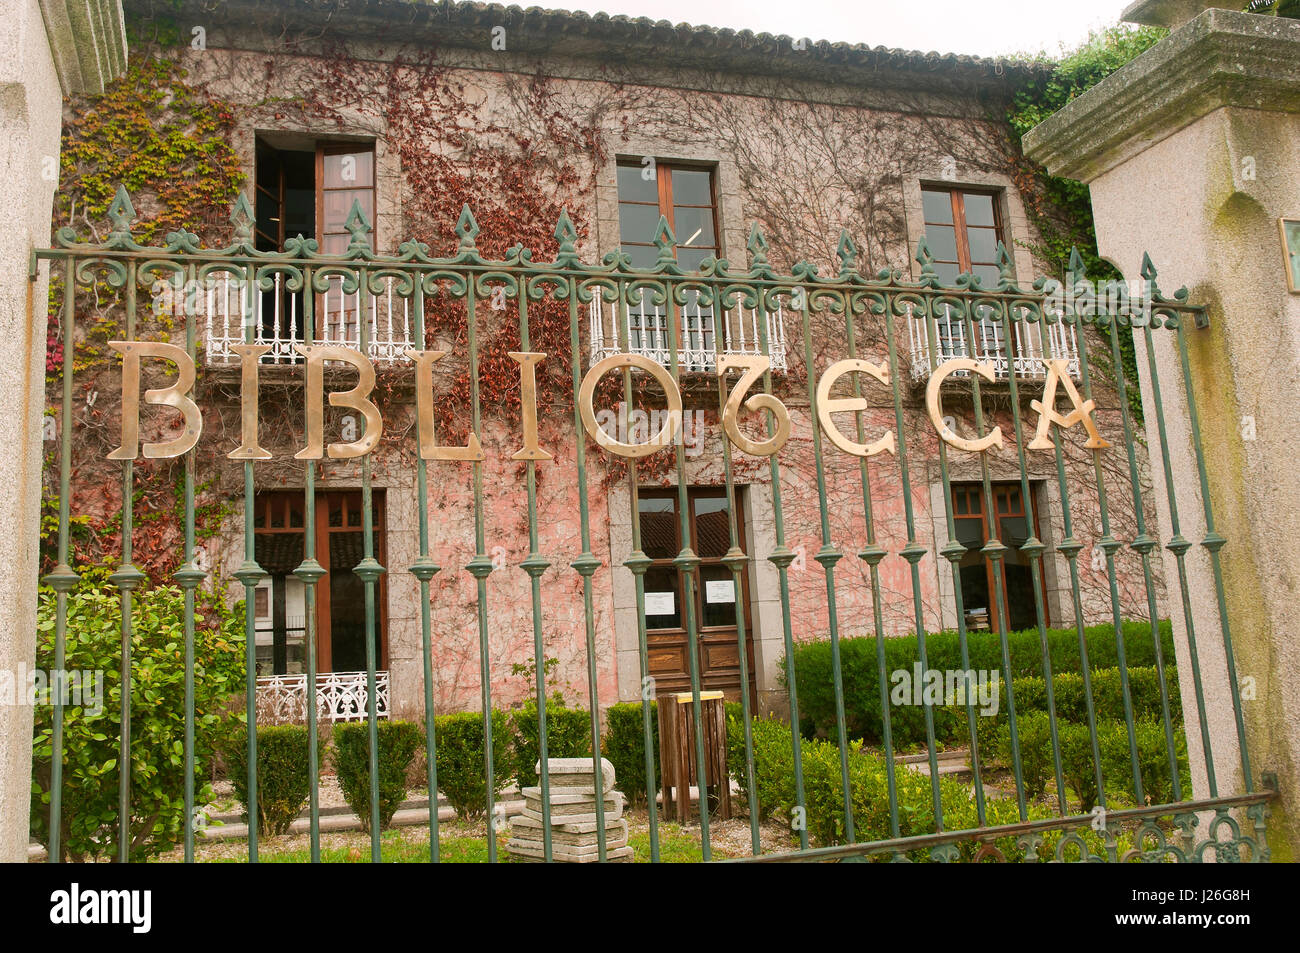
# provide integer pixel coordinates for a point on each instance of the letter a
(1059, 370)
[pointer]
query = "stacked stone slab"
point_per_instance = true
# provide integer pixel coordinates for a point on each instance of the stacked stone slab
(573, 803)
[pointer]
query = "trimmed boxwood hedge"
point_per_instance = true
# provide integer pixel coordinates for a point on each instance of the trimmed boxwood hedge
(461, 775)
(624, 746)
(1078, 765)
(283, 781)
(812, 663)
(398, 743)
(568, 735)
(1072, 703)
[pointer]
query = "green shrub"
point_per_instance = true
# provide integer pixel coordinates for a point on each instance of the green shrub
(568, 735)
(1078, 764)
(1071, 699)
(283, 780)
(773, 763)
(90, 737)
(398, 743)
(861, 683)
(869, 789)
(462, 760)
(624, 746)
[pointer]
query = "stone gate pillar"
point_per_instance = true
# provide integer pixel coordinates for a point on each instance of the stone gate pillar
(53, 48)
(1192, 153)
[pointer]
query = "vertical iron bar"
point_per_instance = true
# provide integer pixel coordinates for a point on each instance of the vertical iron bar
(637, 561)
(189, 578)
(913, 551)
(424, 569)
(1110, 545)
(481, 567)
(63, 579)
(688, 562)
(1070, 548)
(828, 556)
(737, 561)
(781, 557)
(534, 564)
(310, 572)
(1032, 547)
(1178, 545)
(127, 578)
(1214, 542)
(369, 570)
(250, 574)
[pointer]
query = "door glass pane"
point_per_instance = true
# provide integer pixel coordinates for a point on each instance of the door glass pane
(637, 223)
(1020, 597)
(937, 206)
(347, 604)
(983, 245)
(633, 186)
(979, 209)
(663, 602)
(643, 256)
(349, 170)
(691, 187)
(712, 527)
(693, 227)
(942, 240)
(658, 517)
(717, 596)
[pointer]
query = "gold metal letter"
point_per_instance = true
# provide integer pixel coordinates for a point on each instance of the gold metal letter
(248, 447)
(933, 405)
(356, 398)
(752, 367)
(528, 361)
(173, 396)
(827, 405)
(673, 418)
(1059, 370)
(429, 449)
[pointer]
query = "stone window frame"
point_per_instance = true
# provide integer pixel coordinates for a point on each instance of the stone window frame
(1010, 209)
(727, 189)
(388, 225)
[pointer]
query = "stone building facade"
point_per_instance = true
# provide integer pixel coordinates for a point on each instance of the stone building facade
(412, 109)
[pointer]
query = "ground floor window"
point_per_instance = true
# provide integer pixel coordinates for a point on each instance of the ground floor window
(716, 603)
(974, 519)
(280, 537)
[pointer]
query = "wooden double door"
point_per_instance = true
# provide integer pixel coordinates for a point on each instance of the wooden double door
(715, 602)
(280, 537)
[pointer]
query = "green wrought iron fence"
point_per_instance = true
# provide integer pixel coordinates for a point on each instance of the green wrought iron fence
(945, 316)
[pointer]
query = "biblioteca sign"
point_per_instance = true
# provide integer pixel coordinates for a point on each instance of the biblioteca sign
(751, 368)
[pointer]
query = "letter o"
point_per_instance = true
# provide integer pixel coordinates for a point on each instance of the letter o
(672, 419)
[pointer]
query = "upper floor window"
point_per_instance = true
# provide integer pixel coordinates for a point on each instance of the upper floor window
(684, 195)
(963, 229)
(309, 189)
(304, 186)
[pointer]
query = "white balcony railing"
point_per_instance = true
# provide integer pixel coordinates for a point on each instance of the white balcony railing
(1029, 344)
(648, 331)
(340, 696)
(276, 318)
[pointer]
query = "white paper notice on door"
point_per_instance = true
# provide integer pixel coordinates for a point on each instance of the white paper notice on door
(719, 590)
(660, 603)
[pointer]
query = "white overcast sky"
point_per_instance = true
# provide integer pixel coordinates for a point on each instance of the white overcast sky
(979, 27)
